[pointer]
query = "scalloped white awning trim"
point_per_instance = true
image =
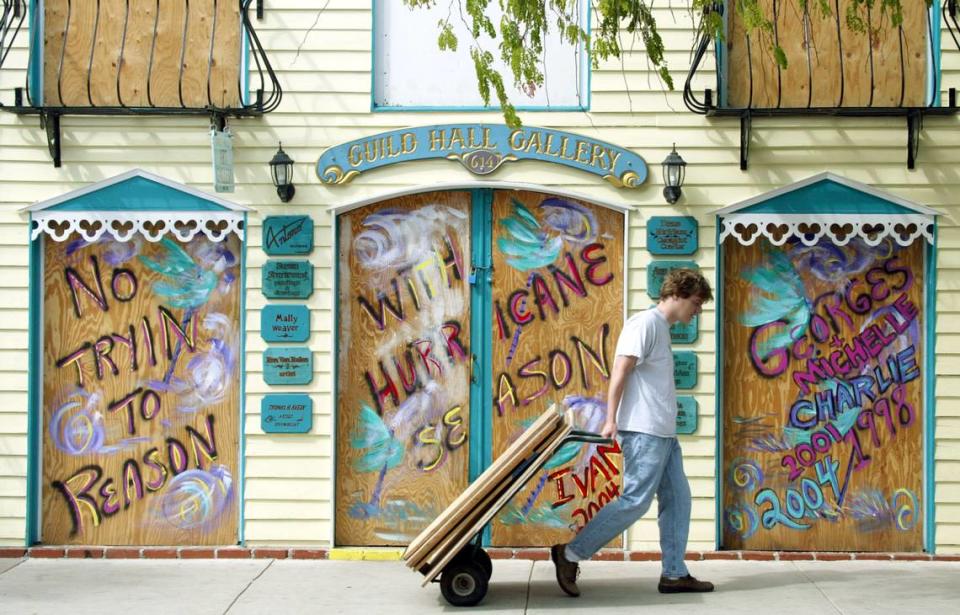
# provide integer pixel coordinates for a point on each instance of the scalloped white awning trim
(840, 229)
(123, 225)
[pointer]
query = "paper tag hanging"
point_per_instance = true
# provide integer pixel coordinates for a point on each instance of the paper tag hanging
(221, 143)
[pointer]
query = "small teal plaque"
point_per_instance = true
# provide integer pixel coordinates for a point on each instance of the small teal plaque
(285, 323)
(287, 366)
(681, 333)
(685, 369)
(286, 413)
(283, 235)
(686, 414)
(283, 279)
(658, 270)
(672, 235)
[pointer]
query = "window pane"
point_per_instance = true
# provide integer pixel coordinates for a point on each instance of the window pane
(411, 71)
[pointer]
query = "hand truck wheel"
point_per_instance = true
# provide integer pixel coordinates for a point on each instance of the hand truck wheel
(463, 583)
(476, 555)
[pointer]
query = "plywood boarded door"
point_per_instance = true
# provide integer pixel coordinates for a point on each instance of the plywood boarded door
(558, 309)
(403, 362)
(823, 396)
(141, 392)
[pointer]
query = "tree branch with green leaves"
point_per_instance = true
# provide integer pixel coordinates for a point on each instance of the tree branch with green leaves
(521, 34)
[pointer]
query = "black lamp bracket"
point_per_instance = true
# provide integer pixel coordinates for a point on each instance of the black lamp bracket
(50, 123)
(914, 126)
(745, 129)
(218, 121)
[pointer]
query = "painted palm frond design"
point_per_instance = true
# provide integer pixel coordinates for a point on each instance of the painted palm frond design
(526, 244)
(383, 450)
(184, 282)
(789, 305)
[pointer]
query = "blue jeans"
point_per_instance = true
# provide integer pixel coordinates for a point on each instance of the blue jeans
(651, 465)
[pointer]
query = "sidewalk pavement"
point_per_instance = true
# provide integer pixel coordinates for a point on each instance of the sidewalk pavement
(517, 586)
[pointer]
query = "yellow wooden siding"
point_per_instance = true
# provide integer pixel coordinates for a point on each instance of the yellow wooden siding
(288, 485)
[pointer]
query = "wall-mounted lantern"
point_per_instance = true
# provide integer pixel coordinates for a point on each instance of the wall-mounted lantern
(281, 168)
(674, 170)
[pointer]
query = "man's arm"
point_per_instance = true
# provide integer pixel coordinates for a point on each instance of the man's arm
(622, 365)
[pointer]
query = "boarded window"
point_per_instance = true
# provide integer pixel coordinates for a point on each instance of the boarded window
(410, 70)
(141, 53)
(823, 381)
(830, 65)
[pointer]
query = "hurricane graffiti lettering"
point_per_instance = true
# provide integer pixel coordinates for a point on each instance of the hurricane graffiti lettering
(836, 332)
(90, 357)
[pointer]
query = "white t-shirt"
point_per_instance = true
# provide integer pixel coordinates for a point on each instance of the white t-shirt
(649, 402)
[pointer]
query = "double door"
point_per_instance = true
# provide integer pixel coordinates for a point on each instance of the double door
(462, 316)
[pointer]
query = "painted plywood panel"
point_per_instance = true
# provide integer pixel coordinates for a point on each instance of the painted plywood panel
(141, 53)
(558, 309)
(404, 369)
(867, 150)
(829, 65)
(140, 392)
(823, 397)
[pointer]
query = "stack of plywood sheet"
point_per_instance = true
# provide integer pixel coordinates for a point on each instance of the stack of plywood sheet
(443, 539)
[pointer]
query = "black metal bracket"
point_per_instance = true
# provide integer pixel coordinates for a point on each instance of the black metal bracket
(51, 123)
(746, 126)
(218, 121)
(259, 10)
(914, 126)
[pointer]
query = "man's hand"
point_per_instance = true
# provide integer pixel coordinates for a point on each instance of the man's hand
(609, 429)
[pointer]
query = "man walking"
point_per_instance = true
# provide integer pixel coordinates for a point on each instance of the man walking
(642, 410)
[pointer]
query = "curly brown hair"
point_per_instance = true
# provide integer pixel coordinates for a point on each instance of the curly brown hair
(685, 283)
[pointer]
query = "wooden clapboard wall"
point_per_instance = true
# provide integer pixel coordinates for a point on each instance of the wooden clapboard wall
(558, 309)
(849, 482)
(838, 72)
(288, 486)
(404, 365)
(141, 392)
(173, 52)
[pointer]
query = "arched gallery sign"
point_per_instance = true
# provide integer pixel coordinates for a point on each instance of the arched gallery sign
(482, 149)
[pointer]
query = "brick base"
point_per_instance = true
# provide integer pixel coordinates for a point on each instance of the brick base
(541, 554)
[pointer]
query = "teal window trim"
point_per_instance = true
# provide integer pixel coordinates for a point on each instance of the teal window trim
(474, 109)
(119, 199)
(586, 66)
(335, 372)
(822, 198)
(930, 397)
(718, 392)
(245, 68)
(35, 60)
(138, 193)
(934, 65)
(721, 55)
(35, 388)
(242, 409)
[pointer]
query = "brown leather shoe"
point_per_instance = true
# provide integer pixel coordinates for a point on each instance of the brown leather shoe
(683, 585)
(567, 571)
